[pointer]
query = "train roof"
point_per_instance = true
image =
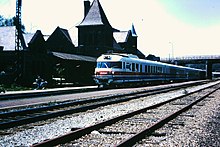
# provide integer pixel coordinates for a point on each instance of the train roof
(133, 58)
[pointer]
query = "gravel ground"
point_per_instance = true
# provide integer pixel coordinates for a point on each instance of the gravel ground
(199, 127)
(63, 125)
(201, 130)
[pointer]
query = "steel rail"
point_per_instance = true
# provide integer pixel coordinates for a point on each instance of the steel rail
(67, 104)
(77, 102)
(102, 102)
(148, 131)
(81, 132)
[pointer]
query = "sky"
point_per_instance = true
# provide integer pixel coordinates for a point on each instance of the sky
(165, 28)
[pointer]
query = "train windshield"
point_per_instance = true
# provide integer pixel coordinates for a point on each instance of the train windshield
(109, 65)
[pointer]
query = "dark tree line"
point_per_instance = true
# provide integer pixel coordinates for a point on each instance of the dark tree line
(9, 22)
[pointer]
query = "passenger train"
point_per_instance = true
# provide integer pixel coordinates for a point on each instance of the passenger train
(117, 69)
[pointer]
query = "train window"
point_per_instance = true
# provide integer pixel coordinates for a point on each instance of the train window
(133, 66)
(159, 69)
(164, 69)
(101, 65)
(137, 67)
(146, 68)
(109, 65)
(141, 68)
(115, 64)
(149, 69)
(123, 67)
(152, 69)
(173, 70)
(128, 66)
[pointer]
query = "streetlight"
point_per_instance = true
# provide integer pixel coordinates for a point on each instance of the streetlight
(172, 49)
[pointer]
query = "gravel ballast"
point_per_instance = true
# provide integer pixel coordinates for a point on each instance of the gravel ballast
(63, 125)
(201, 130)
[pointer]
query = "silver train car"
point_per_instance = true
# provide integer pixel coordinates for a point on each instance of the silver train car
(117, 69)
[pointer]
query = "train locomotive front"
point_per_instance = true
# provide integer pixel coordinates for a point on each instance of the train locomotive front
(107, 68)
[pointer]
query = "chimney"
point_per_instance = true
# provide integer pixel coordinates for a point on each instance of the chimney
(86, 7)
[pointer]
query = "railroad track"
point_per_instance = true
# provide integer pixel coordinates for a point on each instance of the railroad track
(25, 116)
(131, 128)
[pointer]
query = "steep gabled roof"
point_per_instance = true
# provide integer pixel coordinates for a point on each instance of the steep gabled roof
(66, 33)
(95, 16)
(133, 32)
(36, 36)
(37, 43)
(62, 32)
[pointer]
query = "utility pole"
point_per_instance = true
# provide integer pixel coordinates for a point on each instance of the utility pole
(18, 41)
(18, 32)
(172, 51)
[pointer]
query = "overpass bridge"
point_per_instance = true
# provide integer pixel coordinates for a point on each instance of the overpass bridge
(207, 60)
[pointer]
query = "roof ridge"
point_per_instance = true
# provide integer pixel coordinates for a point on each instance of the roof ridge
(66, 33)
(95, 15)
(133, 32)
(35, 36)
